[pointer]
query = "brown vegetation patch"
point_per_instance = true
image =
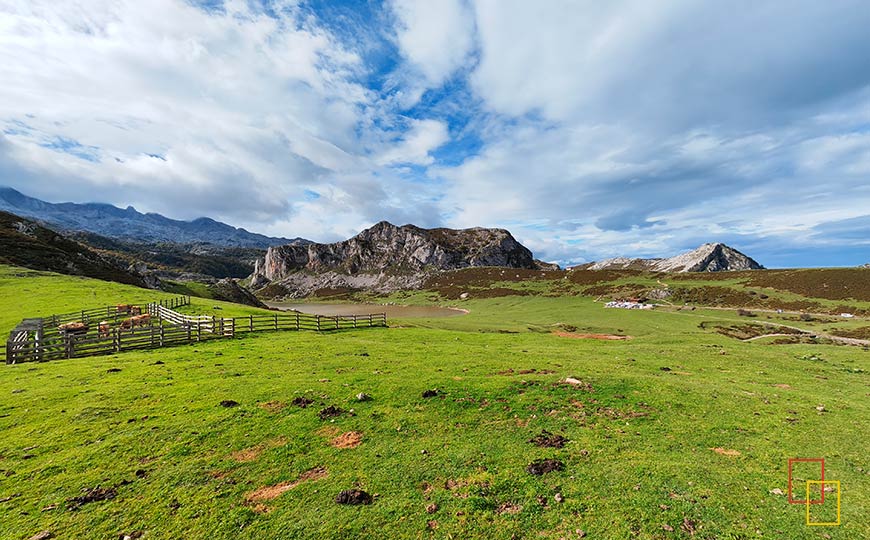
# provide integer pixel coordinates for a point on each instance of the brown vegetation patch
(272, 406)
(625, 291)
(591, 277)
(605, 337)
(90, 495)
(828, 283)
(354, 496)
(351, 439)
(485, 276)
(726, 452)
(267, 493)
(747, 330)
(862, 332)
(252, 453)
(782, 386)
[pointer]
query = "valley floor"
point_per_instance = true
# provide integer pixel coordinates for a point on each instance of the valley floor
(677, 431)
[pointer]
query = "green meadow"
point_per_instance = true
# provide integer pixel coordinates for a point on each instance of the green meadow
(676, 431)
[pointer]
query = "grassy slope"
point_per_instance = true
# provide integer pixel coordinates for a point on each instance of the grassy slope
(92, 427)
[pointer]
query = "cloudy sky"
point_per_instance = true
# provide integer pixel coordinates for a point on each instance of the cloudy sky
(589, 129)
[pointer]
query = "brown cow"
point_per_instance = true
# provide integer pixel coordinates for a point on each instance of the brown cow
(73, 328)
(133, 322)
(105, 329)
(123, 308)
(135, 310)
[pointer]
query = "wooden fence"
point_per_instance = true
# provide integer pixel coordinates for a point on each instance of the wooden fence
(41, 340)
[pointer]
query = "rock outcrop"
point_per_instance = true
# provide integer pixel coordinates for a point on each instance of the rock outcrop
(714, 257)
(387, 257)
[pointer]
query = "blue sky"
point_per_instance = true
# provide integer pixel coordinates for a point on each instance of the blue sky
(589, 129)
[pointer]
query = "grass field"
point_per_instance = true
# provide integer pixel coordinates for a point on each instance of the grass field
(677, 432)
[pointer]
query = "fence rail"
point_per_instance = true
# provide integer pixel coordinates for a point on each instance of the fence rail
(128, 327)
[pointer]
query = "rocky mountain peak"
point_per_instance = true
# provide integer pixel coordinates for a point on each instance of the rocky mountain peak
(709, 257)
(386, 256)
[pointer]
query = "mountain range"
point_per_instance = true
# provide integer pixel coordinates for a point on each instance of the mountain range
(131, 225)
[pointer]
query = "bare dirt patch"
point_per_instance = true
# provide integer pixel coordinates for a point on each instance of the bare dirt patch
(267, 493)
(272, 406)
(354, 496)
(726, 452)
(545, 439)
(544, 466)
(302, 402)
(603, 337)
(351, 439)
(531, 371)
(331, 412)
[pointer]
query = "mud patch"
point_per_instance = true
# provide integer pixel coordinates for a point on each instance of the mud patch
(229, 403)
(548, 440)
(604, 337)
(267, 493)
(331, 412)
(351, 439)
(726, 452)
(544, 466)
(301, 402)
(430, 393)
(89, 495)
(353, 496)
(272, 406)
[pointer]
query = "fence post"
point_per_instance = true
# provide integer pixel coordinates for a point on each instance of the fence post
(297, 320)
(199, 331)
(336, 322)
(354, 321)
(251, 319)
(69, 345)
(276, 321)
(188, 331)
(370, 320)
(161, 335)
(318, 323)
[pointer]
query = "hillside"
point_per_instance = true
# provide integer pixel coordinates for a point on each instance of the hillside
(387, 257)
(652, 441)
(713, 257)
(130, 225)
(30, 245)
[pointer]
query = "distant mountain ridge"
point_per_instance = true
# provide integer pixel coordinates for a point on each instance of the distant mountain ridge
(387, 257)
(131, 225)
(712, 257)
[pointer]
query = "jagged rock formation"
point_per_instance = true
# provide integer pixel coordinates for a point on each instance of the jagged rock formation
(387, 257)
(131, 225)
(229, 290)
(714, 257)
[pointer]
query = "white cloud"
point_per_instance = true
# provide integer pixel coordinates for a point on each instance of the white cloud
(434, 37)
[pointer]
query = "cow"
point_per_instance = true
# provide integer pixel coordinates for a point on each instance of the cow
(76, 327)
(135, 310)
(123, 308)
(105, 329)
(137, 320)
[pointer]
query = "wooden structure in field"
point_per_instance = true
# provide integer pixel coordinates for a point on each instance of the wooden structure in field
(125, 327)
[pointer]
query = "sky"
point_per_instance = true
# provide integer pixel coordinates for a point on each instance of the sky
(588, 129)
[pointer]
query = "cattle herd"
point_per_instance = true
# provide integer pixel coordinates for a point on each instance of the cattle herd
(135, 318)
